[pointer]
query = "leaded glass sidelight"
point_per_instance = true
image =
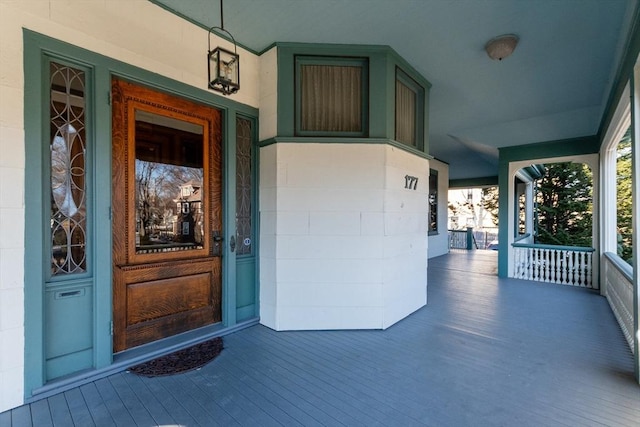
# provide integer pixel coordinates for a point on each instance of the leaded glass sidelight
(68, 170)
(244, 161)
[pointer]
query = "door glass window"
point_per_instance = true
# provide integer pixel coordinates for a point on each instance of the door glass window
(68, 170)
(244, 161)
(169, 184)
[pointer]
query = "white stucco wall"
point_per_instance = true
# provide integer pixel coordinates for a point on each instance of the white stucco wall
(133, 31)
(342, 242)
(439, 243)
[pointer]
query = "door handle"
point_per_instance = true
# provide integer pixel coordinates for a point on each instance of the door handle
(216, 247)
(232, 243)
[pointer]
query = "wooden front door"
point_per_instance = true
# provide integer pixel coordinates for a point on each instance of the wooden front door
(167, 215)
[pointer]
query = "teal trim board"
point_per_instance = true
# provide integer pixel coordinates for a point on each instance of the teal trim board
(229, 220)
(487, 181)
(547, 149)
(247, 274)
(503, 218)
(93, 307)
(343, 140)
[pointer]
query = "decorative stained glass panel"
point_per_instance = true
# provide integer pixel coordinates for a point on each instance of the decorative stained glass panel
(68, 170)
(244, 161)
(433, 201)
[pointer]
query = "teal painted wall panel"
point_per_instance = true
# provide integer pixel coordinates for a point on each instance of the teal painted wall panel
(59, 366)
(69, 326)
(245, 282)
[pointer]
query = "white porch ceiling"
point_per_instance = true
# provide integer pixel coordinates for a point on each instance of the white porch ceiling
(555, 85)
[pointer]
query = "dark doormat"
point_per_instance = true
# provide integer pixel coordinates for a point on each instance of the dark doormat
(181, 361)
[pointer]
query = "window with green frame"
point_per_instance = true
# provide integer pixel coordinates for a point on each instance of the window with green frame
(331, 96)
(433, 201)
(409, 110)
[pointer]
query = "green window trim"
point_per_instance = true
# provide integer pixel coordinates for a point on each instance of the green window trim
(403, 80)
(52, 272)
(433, 202)
(302, 61)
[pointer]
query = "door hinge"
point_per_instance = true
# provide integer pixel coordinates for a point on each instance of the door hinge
(111, 328)
(110, 212)
(109, 98)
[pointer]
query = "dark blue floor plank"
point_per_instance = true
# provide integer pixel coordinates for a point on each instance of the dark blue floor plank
(158, 407)
(40, 414)
(130, 401)
(78, 408)
(5, 419)
(21, 417)
(60, 414)
(199, 408)
(96, 405)
(114, 404)
(175, 406)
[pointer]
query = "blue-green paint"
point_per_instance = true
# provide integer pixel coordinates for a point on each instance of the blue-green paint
(37, 51)
(383, 62)
(542, 150)
(487, 181)
(469, 238)
(247, 284)
(503, 218)
(229, 219)
(322, 140)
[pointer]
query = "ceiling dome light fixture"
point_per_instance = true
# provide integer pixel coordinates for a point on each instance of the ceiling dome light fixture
(502, 46)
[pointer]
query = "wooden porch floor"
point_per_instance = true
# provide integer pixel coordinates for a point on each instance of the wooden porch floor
(484, 352)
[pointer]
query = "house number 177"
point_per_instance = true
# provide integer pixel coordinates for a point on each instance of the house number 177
(410, 182)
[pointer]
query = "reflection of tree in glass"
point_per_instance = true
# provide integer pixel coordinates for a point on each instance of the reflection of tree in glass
(157, 187)
(624, 198)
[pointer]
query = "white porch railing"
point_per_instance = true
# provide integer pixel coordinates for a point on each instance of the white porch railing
(618, 287)
(458, 239)
(567, 265)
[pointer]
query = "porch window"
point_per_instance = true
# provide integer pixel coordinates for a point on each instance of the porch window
(433, 201)
(624, 198)
(68, 168)
(244, 186)
(409, 117)
(331, 96)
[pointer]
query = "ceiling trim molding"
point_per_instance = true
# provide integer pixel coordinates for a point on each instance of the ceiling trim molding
(485, 181)
(548, 149)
